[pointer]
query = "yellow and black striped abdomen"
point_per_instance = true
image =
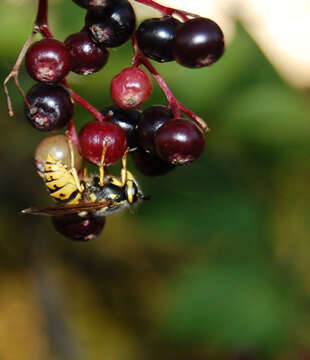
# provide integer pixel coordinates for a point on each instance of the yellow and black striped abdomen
(60, 181)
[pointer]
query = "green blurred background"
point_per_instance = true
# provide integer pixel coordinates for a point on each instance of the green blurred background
(216, 266)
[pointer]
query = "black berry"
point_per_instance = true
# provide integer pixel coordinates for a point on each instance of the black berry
(179, 142)
(151, 120)
(51, 107)
(79, 228)
(149, 164)
(198, 42)
(155, 37)
(128, 120)
(113, 24)
(87, 57)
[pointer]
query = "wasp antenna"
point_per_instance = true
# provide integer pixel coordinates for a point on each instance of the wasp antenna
(149, 197)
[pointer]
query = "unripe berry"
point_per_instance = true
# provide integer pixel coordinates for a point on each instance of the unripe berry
(131, 88)
(56, 145)
(95, 135)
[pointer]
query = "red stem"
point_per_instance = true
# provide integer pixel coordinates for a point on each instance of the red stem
(73, 134)
(41, 22)
(79, 99)
(174, 104)
(167, 10)
(41, 25)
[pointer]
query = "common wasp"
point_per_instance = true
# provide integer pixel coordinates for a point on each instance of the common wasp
(99, 195)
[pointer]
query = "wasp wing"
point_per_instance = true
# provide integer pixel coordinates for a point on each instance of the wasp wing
(67, 209)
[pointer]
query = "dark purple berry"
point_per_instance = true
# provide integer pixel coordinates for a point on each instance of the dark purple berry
(155, 37)
(198, 42)
(51, 107)
(79, 228)
(95, 134)
(149, 164)
(128, 120)
(113, 24)
(48, 60)
(151, 120)
(131, 88)
(87, 57)
(179, 142)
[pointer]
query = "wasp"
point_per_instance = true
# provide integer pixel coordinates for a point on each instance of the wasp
(99, 194)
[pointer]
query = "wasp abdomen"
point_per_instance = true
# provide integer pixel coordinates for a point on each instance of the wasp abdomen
(60, 181)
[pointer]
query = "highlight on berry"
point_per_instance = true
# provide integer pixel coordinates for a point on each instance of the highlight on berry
(158, 137)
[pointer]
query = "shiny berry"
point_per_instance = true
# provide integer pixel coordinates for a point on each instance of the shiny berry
(79, 228)
(131, 88)
(113, 24)
(87, 57)
(198, 42)
(95, 134)
(48, 60)
(179, 142)
(149, 164)
(51, 107)
(155, 37)
(128, 120)
(56, 145)
(151, 120)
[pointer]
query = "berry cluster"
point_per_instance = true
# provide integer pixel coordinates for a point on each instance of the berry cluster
(159, 137)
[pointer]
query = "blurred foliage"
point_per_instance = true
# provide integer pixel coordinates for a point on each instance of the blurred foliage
(216, 266)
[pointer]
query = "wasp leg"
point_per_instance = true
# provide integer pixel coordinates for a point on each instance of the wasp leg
(84, 171)
(121, 182)
(73, 169)
(101, 166)
(124, 171)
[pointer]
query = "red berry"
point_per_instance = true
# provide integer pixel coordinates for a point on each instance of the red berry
(179, 142)
(131, 87)
(95, 134)
(79, 228)
(48, 60)
(87, 57)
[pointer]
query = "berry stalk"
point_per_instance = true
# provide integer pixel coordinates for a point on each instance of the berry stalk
(174, 104)
(41, 26)
(165, 10)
